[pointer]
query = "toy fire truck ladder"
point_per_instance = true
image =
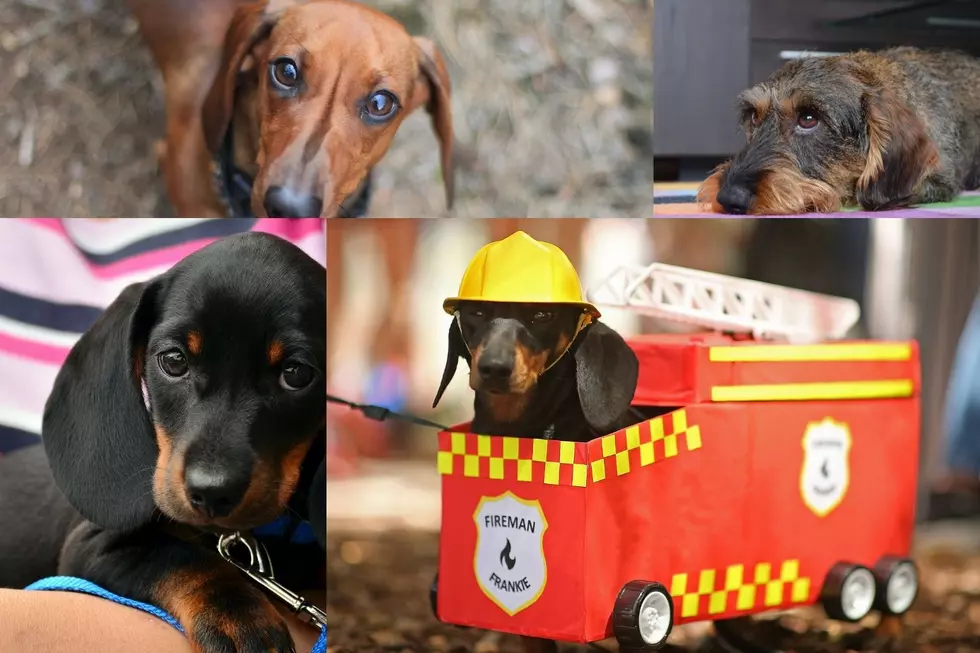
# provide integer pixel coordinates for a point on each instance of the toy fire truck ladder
(728, 304)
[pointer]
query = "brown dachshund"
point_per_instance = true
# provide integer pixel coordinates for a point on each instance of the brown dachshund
(281, 108)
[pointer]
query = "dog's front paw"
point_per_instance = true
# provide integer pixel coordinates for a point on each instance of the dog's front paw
(231, 628)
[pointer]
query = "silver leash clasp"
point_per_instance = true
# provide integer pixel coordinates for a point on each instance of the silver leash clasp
(259, 569)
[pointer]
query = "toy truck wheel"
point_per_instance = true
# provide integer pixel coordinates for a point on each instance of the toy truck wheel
(434, 596)
(897, 581)
(643, 616)
(848, 592)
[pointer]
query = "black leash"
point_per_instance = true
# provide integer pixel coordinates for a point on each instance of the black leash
(381, 414)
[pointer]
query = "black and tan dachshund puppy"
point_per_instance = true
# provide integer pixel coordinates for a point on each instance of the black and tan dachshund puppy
(536, 377)
(193, 406)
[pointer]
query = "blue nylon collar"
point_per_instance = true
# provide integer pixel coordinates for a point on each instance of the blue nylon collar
(301, 534)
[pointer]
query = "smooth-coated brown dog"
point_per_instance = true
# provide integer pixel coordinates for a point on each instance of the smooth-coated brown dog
(280, 108)
(881, 130)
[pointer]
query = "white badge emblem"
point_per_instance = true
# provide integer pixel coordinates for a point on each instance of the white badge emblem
(509, 559)
(826, 469)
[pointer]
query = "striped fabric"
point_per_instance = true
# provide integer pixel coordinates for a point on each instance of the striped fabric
(57, 275)
(680, 200)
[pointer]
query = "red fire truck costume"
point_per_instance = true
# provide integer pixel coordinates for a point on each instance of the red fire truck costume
(771, 474)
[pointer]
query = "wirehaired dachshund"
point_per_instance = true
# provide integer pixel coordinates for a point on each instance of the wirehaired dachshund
(281, 108)
(193, 406)
(537, 376)
(881, 130)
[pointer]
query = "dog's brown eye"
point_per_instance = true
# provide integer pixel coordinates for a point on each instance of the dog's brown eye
(296, 376)
(173, 363)
(756, 119)
(807, 120)
(381, 106)
(285, 73)
(542, 316)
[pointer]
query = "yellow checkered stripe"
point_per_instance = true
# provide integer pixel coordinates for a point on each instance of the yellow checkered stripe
(551, 462)
(718, 592)
(642, 445)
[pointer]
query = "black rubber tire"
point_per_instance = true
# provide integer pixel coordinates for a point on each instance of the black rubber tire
(883, 571)
(830, 596)
(626, 614)
(434, 596)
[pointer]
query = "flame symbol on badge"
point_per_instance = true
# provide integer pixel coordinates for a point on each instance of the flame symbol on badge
(505, 558)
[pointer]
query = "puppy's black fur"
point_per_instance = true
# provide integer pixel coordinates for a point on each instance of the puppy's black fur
(229, 435)
(535, 378)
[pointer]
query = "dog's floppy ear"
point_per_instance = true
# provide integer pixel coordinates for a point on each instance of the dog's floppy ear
(434, 90)
(900, 153)
(250, 24)
(606, 370)
(96, 429)
(456, 349)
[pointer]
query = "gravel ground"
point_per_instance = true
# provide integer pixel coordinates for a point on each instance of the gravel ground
(378, 601)
(552, 103)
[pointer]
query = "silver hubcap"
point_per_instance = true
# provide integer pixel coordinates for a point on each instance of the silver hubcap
(901, 588)
(858, 594)
(654, 619)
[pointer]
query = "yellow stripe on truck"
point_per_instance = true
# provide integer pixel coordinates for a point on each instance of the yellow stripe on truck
(831, 352)
(884, 389)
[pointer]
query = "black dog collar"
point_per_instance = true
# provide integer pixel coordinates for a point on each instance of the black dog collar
(234, 187)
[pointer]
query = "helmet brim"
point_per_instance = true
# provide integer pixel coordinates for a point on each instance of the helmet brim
(452, 303)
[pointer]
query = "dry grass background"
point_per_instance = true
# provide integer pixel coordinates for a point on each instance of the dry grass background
(552, 103)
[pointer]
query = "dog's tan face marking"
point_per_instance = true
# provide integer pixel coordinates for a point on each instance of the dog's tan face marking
(195, 342)
(289, 470)
(168, 478)
(275, 352)
(359, 78)
(528, 367)
(822, 133)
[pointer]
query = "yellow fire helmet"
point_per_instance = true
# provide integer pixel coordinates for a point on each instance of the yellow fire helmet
(521, 269)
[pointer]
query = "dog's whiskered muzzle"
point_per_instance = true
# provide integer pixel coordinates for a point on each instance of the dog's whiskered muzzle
(282, 202)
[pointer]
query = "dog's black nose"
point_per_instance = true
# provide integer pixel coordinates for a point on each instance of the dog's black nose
(735, 199)
(495, 368)
(212, 492)
(282, 202)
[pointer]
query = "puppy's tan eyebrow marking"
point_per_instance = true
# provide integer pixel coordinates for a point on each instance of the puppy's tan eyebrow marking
(275, 352)
(195, 342)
